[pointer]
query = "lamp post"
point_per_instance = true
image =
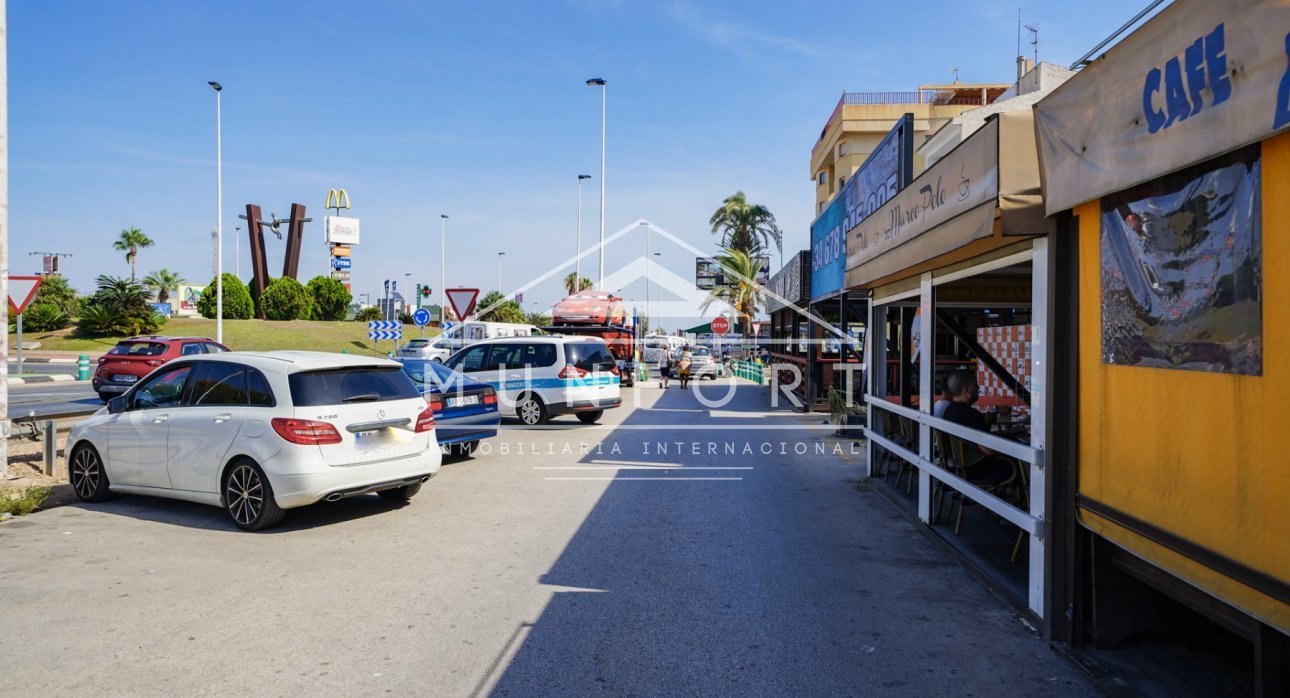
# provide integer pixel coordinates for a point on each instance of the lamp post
(499, 272)
(600, 82)
(443, 295)
(577, 260)
(237, 252)
(648, 311)
(219, 216)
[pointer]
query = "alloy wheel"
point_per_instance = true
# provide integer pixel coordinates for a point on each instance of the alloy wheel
(244, 495)
(530, 412)
(87, 471)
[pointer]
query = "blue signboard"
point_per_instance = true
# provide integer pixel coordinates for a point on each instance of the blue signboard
(341, 263)
(887, 170)
(421, 317)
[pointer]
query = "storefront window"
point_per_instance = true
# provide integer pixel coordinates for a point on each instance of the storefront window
(1182, 270)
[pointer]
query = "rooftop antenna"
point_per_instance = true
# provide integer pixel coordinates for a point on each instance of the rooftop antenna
(955, 71)
(1034, 39)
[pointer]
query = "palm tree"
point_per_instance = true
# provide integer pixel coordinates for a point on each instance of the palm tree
(494, 307)
(161, 281)
(585, 283)
(741, 290)
(746, 227)
(130, 241)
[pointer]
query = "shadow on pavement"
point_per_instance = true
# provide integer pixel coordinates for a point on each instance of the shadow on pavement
(209, 518)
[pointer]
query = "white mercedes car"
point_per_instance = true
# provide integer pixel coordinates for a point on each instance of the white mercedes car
(258, 434)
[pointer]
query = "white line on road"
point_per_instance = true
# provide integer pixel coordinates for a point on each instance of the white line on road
(627, 479)
(637, 467)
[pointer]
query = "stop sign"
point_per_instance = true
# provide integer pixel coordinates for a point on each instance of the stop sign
(720, 325)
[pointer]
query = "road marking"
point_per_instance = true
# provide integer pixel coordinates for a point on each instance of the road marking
(637, 467)
(628, 479)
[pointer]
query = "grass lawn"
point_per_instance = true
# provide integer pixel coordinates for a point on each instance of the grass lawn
(245, 335)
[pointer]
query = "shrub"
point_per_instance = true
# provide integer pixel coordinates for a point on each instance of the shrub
(119, 307)
(55, 290)
(256, 306)
(285, 299)
(45, 317)
(237, 300)
(369, 314)
(328, 298)
(406, 318)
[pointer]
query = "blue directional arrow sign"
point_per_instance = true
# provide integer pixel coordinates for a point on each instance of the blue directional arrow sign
(384, 329)
(421, 317)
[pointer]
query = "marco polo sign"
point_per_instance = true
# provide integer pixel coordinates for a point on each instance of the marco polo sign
(1200, 79)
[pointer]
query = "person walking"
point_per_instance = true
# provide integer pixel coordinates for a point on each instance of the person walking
(683, 366)
(664, 367)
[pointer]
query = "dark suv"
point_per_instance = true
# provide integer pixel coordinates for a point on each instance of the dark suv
(132, 359)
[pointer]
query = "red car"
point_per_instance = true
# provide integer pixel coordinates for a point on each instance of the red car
(132, 359)
(590, 307)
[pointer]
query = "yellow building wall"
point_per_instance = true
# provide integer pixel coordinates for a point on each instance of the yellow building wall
(1204, 456)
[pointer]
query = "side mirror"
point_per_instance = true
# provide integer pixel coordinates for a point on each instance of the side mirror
(116, 405)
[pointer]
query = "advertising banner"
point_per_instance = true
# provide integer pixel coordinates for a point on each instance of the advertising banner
(884, 173)
(341, 230)
(964, 179)
(788, 285)
(1199, 79)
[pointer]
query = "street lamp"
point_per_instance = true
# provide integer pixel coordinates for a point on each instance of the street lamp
(577, 260)
(219, 216)
(648, 311)
(499, 272)
(443, 295)
(600, 82)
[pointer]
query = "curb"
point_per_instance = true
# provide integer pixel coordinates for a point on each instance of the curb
(61, 378)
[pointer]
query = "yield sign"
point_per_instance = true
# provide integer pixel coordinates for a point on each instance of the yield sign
(21, 290)
(462, 301)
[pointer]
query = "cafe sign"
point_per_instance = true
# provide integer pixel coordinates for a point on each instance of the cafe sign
(1200, 79)
(964, 179)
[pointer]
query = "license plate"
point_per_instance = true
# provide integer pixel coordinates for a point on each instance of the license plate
(125, 379)
(360, 435)
(463, 400)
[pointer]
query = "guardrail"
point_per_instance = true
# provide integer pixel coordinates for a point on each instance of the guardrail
(46, 427)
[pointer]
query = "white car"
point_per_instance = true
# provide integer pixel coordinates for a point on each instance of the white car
(429, 348)
(258, 434)
(538, 378)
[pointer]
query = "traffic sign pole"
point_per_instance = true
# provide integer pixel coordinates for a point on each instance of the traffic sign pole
(19, 347)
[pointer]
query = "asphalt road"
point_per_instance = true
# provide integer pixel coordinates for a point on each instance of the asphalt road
(42, 369)
(51, 398)
(640, 557)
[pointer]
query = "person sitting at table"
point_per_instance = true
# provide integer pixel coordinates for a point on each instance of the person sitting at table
(964, 392)
(942, 404)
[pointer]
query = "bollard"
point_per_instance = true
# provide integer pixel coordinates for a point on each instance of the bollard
(51, 446)
(83, 368)
(344, 351)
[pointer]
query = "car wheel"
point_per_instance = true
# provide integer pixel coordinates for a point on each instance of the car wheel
(248, 497)
(88, 477)
(400, 494)
(530, 410)
(590, 417)
(437, 360)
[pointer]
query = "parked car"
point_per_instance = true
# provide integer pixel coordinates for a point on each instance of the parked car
(702, 364)
(258, 434)
(132, 359)
(538, 378)
(465, 410)
(431, 348)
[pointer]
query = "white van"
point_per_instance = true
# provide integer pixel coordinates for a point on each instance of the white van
(472, 331)
(538, 378)
(655, 345)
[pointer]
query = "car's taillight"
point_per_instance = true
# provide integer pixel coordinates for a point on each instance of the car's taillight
(435, 402)
(490, 397)
(306, 431)
(571, 371)
(425, 420)
(103, 359)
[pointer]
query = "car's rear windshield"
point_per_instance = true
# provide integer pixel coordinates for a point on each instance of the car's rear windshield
(589, 356)
(350, 385)
(139, 349)
(702, 351)
(418, 342)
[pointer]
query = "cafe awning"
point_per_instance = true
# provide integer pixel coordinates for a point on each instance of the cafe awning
(982, 195)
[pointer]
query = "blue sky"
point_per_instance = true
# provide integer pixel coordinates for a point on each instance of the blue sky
(478, 110)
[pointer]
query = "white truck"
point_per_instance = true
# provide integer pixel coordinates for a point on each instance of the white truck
(472, 331)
